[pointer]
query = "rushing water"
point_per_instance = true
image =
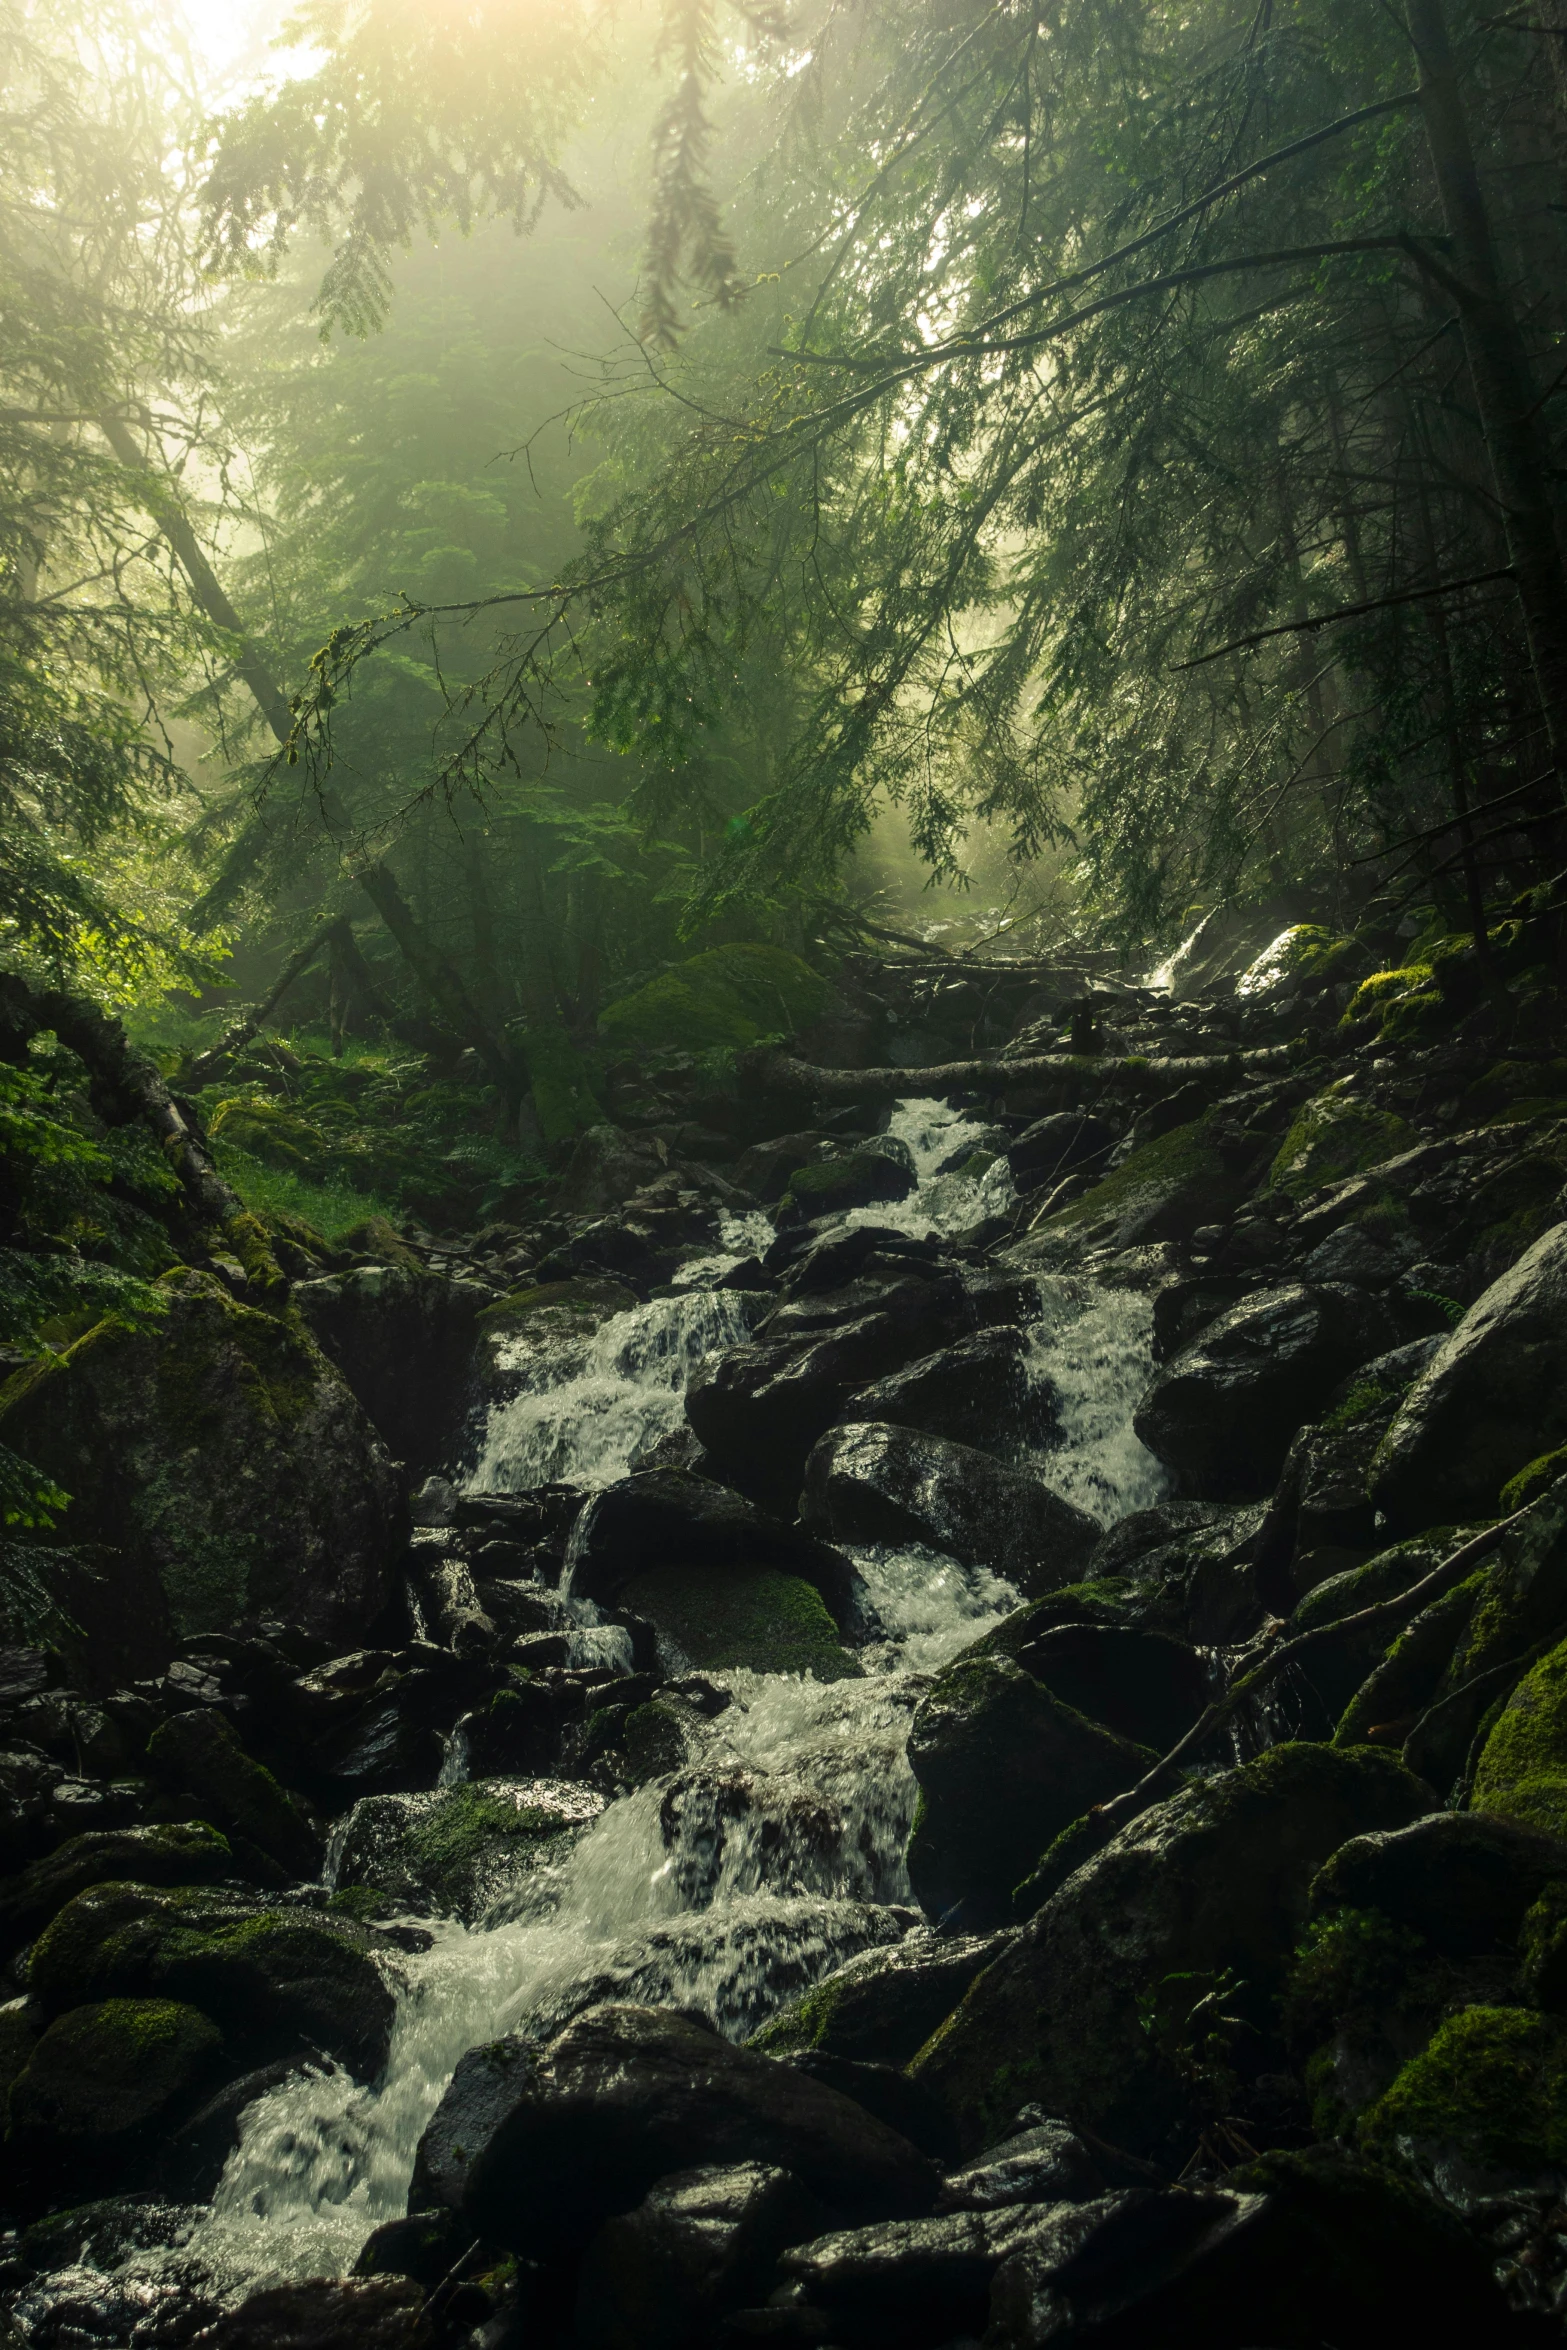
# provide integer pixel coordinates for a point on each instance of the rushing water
(779, 1853)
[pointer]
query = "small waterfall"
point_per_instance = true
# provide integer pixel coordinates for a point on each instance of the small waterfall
(778, 1852)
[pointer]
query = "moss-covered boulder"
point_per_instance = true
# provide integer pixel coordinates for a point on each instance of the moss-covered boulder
(458, 1851)
(181, 1853)
(197, 1754)
(102, 2080)
(1162, 1192)
(883, 2004)
(1493, 1399)
(1489, 2094)
(1207, 1888)
(274, 1980)
(728, 1618)
(1522, 1773)
(1002, 1767)
(850, 1179)
(731, 995)
(1334, 1135)
(221, 1444)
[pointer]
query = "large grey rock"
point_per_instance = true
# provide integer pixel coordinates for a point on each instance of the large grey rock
(883, 2006)
(669, 1517)
(403, 1338)
(976, 1392)
(1002, 1768)
(868, 1482)
(700, 2243)
(1221, 1415)
(458, 1850)
(1215, 1878)
(538, 2148)
(1492, 1400)
(1058, 1145)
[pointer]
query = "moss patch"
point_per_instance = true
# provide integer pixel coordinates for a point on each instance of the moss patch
(1335, 1135)
(731, 995)
(1523, 1767)
(109, 2069)
(1168, 1184)
(1492, 2087)
(724, 1618)
(1533, 1480)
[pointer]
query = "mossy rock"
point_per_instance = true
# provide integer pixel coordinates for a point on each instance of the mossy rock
(731, 995)
(458, 1851)
(1491, 2088)
(180, 1853)
(1303, 953)
(108, 2073)
(1514, 1090)
(275, 1980)
(1534, 1479)
(1542, 1949)
(1414, 1665)
(554, 1310)
(198, 1755)
(224, 1447)
(1162, 1192)
(883, 2005)
(724, 1619)
(1075, 1603)
(1335, 1135)
(1522, 1772)
(854, 1179)
(652, 1742)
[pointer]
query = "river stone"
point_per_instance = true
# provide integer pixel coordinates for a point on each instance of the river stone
(1215, 1878)
(1045, 2163)
(1492, 1400)
(725, 1619)
(866, 1482)
(876, 1171)
(660, 1515)
(1058, 1145)
(102, 2078)
(1463, 1880)
(274, 1979)
(1002, 1768)
(198, 1754)
(976, 1393)
(883, 2006)
(1220, 1416)
(905, 2284)
(376, 1320)
(1143, 1685)
(457, 1851)
(223, 1446)
(538, 2148)
(356, 2313)
(180, 1853)
(764, 1170)
(700, 2243)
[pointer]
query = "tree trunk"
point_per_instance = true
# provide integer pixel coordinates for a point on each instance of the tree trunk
(1499, 371)
(236, 1038)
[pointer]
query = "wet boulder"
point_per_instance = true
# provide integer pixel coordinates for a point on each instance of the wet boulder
(662, 1515)
(1002, 1768)
(1522, 1771)
(538, 2148)
(1492, 1400)
(1059, 1145)
(101, 2082)
(1294, 2250)
(700, 2243)
(884, 2004)
(539, 1336)
(1481, 2110)
(374, 1322)
(458, 1851)
(876, 1171)
(606, 1166)
(868, 1482)
(1463, 1881)
(765, 1169)
(271, 1979)
(1146, 1686)
(180, 1853)
(222, 1446)
(354, 2313)
(977, 1392)
(199, 1755)
(1216, 1878)
(1044, 2162)
(904, 2284)
(724, 1618)
(1220, 1416)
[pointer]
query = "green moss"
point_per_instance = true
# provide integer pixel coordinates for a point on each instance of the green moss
(108, 2069)
(1532, 1481)
(1412, 1666)
(466, 1829)
(1383, 1577)
(566, 1308)
(1181, 1165)
(1492, 2087)
(652, 1742)
(1523, 1767)
(731, 995)
(1335, 1135)
(806, 2024)
(853, 1180)
(1355, 1959)
(1542, 1948)
(723, 1618)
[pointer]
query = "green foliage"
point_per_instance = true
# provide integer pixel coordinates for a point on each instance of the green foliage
(1349, 1962)
(731, 995)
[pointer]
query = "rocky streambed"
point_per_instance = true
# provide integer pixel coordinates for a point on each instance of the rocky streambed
(710, 1877)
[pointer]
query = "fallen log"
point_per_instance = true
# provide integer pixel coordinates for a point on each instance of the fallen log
(767, 1071)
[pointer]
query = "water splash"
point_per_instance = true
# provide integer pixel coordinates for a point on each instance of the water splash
(589, 1412)
(940, 1204)
(1095, 1348)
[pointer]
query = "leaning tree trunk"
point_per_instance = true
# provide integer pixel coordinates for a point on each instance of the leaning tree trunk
(430, 966)
(1505, 395)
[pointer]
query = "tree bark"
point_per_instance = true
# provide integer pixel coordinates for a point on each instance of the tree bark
(236, 1038)
(1499, 370)
(769, 1071)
